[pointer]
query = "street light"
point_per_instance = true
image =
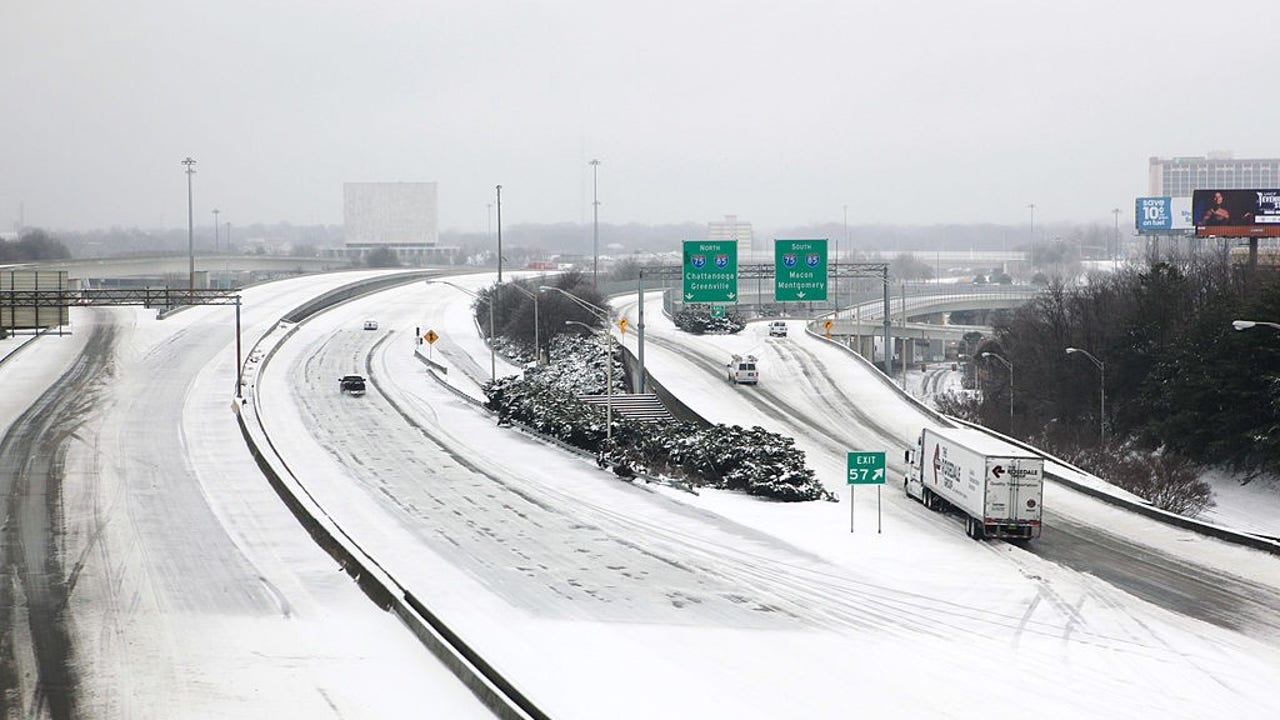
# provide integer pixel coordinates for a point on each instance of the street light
(608, 361)
(499, 234)
(191, 243)
(1009, 365)
(215, 230)
(1115, 248)
(537, 353)
(493, 362)
(1102, 393)
(603, 315)
(595, 225)
(1246, 324)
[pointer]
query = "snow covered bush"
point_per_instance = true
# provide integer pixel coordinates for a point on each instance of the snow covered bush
(752, 460)
(700, 322)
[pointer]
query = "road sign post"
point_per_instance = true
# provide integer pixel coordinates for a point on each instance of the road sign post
(800, 270)
(865, 468)
(431, 337)
(710, 271)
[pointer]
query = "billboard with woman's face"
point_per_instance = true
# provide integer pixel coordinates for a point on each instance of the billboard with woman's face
(1236, 213)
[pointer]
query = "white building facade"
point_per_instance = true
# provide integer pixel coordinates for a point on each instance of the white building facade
(400, 216)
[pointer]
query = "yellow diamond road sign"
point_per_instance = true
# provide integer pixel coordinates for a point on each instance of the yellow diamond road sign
(623, 324)
(826, 324)
(431, 337)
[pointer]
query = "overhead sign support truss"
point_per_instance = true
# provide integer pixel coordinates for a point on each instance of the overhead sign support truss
(146, 297)
(842, 271)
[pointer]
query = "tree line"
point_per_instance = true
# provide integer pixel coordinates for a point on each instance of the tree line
(1182, 388)
(32, 246)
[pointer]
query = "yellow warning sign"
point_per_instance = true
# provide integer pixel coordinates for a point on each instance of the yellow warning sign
(431, 337)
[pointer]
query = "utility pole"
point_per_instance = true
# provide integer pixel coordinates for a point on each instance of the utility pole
(499, 234)
(1115, 248)
(191, 243)
(595, 225)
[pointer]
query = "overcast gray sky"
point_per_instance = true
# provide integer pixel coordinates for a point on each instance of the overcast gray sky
(780, 112)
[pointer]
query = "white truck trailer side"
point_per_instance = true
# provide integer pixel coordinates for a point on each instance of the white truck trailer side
(998, 487)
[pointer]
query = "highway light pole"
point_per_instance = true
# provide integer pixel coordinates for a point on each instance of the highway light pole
(608, 363)
(1009, 365)
(537, 352)
(499, 234)
(493, 362)
(595, 225)
(1115, 247)
(1102, 393)
(603, 315)
(191, 243)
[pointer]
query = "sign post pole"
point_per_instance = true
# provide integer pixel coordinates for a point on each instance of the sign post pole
(865, 468)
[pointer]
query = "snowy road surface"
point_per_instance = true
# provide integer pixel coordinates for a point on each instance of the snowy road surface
(149, 571)
(596, 596)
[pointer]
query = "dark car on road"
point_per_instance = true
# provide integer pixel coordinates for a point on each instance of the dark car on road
(352, 384)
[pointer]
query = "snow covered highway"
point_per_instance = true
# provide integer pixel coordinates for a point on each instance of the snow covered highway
(569, 580)
(187, 589)
(148, 571)
(832, 402)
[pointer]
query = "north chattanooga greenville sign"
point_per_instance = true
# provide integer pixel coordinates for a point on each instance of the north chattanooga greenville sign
(710, 271)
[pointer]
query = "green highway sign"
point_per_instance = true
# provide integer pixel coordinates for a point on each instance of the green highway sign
(866, 468)
(710, 271)
(717, 311)
(800, 270)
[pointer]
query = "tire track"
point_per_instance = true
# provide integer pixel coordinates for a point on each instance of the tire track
(34, 583)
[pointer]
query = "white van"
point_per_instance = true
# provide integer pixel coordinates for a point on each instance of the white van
(778, 328)
(742, 370)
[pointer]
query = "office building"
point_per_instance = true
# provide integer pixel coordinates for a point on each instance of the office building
(732, 229)
(1179, 176)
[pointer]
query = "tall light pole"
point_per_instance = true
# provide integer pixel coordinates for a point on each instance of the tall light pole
(1032, 231)
(1009, 365)
(493, 362)
(537, 352)
(499, 234)
(1115, 247)
(595, 225)
(215, 230)
(604, 316)
(191, 234)
(608, 362)
(838, 251)
(1102, 393)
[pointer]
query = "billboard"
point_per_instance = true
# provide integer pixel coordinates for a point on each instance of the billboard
(1163, 215)
(1236, 213)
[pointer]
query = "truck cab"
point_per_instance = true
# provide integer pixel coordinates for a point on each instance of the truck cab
(741, 370)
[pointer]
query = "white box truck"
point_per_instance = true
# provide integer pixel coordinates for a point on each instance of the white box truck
(998, 487)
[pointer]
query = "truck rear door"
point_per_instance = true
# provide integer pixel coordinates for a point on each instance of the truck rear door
(1014, 488)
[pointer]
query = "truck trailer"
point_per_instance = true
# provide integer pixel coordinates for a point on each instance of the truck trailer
(998, 487)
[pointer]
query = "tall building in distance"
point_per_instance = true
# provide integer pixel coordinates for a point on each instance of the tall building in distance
(731, 229)
(399, 216)
(1179, 176)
